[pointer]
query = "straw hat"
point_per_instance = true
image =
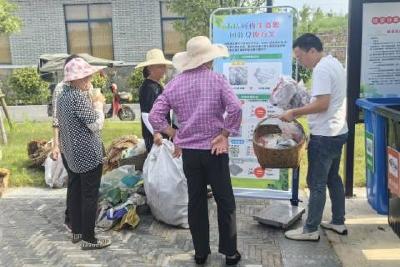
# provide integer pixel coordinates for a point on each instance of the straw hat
(199, 50)
(78, 68)
(154, 57)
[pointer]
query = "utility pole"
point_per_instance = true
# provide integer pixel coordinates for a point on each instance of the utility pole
(353, 86)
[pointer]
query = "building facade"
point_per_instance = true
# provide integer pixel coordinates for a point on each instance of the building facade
(113, 29)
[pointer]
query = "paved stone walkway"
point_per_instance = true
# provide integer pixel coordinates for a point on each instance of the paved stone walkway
(32, 234)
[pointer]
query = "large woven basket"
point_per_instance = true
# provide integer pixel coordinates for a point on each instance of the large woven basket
(138, 161)
(277, 158)
(38, 150)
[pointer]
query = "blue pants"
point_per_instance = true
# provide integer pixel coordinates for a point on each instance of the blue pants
(324, 153)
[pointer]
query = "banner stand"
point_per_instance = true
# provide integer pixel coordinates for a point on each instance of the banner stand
(277, 214)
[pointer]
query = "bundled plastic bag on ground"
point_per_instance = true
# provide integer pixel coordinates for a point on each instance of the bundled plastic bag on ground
(55, 174)
(114, 151)
(117, 184)
(139, 149)
(166, 186)
(124, 176)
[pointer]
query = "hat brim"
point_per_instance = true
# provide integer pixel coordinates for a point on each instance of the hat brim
(153, 62)
(183, 61)
(86, 73)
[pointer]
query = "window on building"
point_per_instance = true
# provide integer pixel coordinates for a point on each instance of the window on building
(5, 52)
(89, 29)
(172, 40)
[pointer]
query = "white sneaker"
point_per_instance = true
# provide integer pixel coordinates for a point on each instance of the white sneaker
(338, 228)
(299, 234)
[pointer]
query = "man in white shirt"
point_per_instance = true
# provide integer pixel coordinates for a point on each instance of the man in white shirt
(327, 121)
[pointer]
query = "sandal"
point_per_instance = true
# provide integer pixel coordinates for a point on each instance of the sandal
(98, 244)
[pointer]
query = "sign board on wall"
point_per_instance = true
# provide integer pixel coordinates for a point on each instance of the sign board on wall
(380, 62)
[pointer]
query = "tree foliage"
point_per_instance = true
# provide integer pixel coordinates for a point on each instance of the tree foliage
(197, 13)
(99, 81)
(9, 23)
(316, 21)
(135, 80)
(26, 87)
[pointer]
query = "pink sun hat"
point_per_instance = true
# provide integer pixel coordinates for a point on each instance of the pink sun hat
(78, 68)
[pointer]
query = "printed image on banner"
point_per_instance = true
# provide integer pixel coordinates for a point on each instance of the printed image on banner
(260, 48)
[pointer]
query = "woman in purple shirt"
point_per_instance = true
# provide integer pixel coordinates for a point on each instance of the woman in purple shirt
(200, 97)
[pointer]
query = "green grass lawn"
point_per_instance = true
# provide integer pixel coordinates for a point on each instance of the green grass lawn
(15, 157)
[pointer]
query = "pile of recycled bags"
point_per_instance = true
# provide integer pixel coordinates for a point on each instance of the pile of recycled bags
(121, 194)
(116, 150)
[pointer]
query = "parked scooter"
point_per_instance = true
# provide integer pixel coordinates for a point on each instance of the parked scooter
(124, 112)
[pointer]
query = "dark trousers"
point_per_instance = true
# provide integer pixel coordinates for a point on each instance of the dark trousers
(82, 201)
(202, 168)
(67, 219)
(148, 141)
(324, 153)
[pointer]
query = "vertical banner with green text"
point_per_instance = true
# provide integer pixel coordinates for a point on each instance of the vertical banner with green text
(260, 47)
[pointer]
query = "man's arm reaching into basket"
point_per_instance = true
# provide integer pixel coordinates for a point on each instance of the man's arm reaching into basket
(319, 105)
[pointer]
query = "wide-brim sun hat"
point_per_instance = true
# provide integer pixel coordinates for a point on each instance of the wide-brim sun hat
(78, 68)
(154, 57)
(199, 50)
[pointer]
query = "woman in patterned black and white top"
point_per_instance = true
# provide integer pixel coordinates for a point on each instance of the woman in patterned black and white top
(80, 123)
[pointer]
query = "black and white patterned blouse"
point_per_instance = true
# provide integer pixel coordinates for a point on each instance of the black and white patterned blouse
(79, 126)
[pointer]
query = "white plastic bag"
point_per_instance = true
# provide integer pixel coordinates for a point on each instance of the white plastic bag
(166, 186)
(289, 94)
(55, 174)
